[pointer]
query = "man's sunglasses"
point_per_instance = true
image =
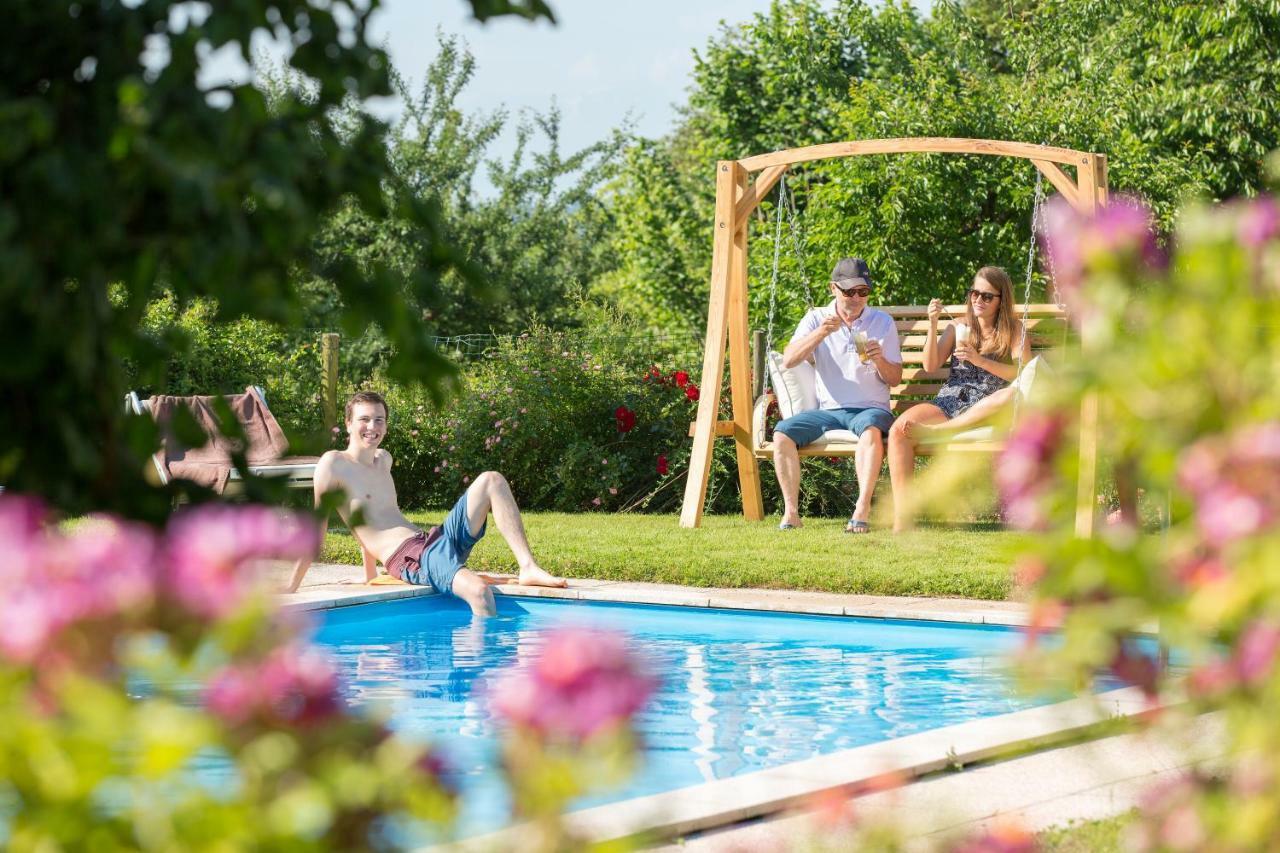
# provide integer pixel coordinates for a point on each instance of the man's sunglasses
(983, 295)
(857, 290)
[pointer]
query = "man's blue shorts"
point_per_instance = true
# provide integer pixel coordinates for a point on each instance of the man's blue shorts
(807, 427)
(435, 563)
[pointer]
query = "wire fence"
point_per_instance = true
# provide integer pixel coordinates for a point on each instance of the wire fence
(676, 347)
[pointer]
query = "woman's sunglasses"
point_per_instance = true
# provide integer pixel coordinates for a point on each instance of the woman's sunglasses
(983, 295)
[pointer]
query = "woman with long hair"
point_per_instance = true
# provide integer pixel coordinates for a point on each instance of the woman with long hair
(983, 355)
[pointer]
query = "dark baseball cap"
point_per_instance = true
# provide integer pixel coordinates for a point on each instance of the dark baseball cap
(853, 271)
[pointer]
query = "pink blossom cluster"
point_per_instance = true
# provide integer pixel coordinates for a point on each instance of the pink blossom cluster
(1003, 837)
(1259, 222)
(1074, 242)
(1024, 469)
(207, 550)
(293, 685)
(106, 569)
(50, 581)
(1249, 666)
(1171, 820)
(1235, 482)
(584, 681)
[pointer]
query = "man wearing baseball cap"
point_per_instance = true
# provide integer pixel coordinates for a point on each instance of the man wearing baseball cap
(855, 351)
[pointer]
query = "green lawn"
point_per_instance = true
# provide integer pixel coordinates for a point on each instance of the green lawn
(971, 561)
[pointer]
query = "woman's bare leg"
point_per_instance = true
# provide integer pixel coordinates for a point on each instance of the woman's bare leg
(491, 493)
(902, 457)
(976, 415)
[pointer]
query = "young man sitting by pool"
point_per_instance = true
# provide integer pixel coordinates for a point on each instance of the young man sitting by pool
(362, 473)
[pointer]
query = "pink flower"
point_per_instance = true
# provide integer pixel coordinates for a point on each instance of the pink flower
(584, 682)
(612, 490)
(1133, 667)
(1074, 242)
(293, 685)
(595, 501)
(1212, 679)
(1259, 222)
(1000, 838)
(209, 550)
(1235, 482)
(1256, 652)
(1024, 468)
(50, 582)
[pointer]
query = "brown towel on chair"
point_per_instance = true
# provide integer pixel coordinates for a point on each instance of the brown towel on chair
(210, 465)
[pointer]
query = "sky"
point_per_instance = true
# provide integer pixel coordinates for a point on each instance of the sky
(604, 63)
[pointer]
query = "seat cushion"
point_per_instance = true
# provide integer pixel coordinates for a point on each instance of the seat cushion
(835, 436)
(794, 387)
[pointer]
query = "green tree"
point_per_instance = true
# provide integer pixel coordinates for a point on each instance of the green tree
(120, 175)
(533, 235)
(1182, 98)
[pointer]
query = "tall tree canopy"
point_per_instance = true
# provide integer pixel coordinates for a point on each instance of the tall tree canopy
(1183, 98)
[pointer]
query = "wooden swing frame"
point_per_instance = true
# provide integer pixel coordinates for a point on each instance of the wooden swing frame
(727, 309)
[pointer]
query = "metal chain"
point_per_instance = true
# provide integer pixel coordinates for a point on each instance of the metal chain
(773, 282)
(797, 248)
(1037, 205)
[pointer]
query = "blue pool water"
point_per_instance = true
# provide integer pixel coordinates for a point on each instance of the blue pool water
(741, 691)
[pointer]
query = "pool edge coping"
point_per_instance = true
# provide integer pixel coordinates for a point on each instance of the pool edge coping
(952, 610)
(864, 769)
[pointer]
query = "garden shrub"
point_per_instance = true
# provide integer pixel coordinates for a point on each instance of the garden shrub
(215, 357)
(579, 421)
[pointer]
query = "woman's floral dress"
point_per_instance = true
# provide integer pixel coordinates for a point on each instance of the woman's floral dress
(966, 385)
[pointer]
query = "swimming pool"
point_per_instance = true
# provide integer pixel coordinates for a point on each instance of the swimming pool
(742, 690)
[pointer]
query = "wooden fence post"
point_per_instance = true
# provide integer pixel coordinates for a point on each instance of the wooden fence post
(329, 378)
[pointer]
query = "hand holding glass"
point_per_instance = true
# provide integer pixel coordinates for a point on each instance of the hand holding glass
(860, 344)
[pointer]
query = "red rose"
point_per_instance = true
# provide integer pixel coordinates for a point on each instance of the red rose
(681, 378)
(691, 391)
(662, 465)
(625, 417)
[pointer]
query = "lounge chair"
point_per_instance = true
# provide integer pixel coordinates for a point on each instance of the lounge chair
(211, 465)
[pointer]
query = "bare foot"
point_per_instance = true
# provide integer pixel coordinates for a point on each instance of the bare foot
(916, 431)
(537, 576)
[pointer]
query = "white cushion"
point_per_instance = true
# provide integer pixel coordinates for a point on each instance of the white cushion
(1026, 379)
(834, 436)
(794, 386)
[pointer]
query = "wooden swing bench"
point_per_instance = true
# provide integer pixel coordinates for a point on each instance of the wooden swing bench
(737, 197)
(1045, 324)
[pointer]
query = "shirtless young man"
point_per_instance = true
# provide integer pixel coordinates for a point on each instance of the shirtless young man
(363, 473)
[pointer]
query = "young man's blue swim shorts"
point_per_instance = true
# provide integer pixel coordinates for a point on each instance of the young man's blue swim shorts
(433, 559)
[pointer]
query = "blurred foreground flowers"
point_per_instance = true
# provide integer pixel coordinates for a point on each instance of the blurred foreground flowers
(109, 742)
(1182, 355)
(569, 731)
(152, 697)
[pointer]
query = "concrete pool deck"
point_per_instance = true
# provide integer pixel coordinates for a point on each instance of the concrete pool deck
(1030, 769)
(330, 585)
